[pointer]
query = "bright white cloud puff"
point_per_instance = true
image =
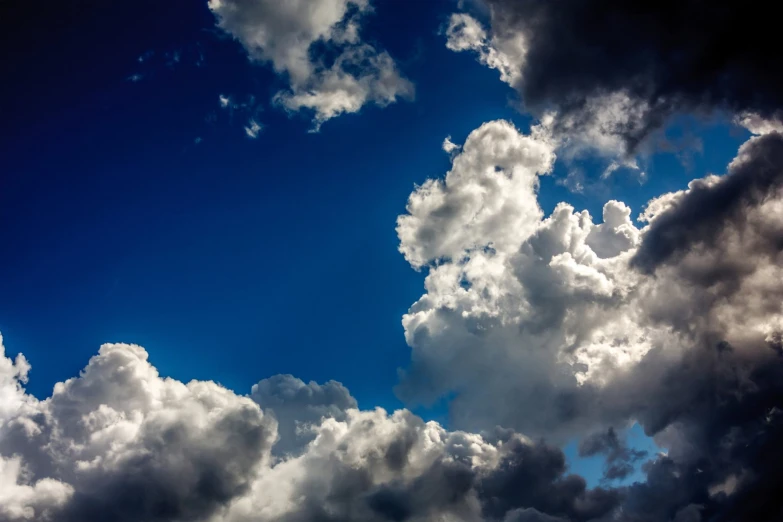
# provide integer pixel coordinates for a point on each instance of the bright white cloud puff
(284, 34)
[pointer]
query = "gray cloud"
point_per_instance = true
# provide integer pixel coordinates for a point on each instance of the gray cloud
(299, 408)
(120, 442)
(675, 326)
(663, 57)
(708, 209)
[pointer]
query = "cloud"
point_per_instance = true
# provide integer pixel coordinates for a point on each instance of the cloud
(120, 442)
(559, 326)
(252, 128)
(299, 408)
(598, 127)
(532, 331)
(620, 458)
(758, 125)
(289, 34)
(703, 212)
(495, 174)
(661, 58)
(504, 52)
(22, 501)
(449, 146)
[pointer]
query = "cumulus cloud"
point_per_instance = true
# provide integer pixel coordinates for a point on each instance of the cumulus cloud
(495, 174)
(299, 408)
(758, 125)
(547, 326)
(559, 326)
(120, 442)
(288, 34)
(620, 71)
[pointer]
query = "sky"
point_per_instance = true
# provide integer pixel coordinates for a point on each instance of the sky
(546, 242)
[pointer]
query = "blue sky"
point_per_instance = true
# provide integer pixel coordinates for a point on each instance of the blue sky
(136, 209)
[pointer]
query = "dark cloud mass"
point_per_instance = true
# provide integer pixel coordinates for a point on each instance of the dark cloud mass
(713, 207)
(690, 55)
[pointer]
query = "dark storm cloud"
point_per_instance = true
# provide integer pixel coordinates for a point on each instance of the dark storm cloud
(735, 461)
(534, 476)
(701, 215)
(689, 55)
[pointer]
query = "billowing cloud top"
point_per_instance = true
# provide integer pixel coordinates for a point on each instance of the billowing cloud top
(285, 34)
(550, 326)
(558, 326)
(120, 442)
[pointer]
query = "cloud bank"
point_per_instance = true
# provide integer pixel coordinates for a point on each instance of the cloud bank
(347, 72)
(120, 442)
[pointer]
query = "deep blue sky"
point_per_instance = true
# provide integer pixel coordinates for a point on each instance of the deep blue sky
(230, 259)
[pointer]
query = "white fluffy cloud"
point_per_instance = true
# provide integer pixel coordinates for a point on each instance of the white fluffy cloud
(553, 312)
(286, 34)
(119, 442)
(503, 52)
(495, 175)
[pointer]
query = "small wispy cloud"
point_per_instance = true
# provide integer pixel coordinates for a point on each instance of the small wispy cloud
(253, 128)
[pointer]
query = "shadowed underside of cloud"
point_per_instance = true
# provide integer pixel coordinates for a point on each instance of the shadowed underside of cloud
(119, 442)
(619, 70)
(346, 74)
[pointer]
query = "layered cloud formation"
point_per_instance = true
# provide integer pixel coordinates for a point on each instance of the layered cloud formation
(544, 326)
(558, 326)
(285, 35)
(120, 442)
